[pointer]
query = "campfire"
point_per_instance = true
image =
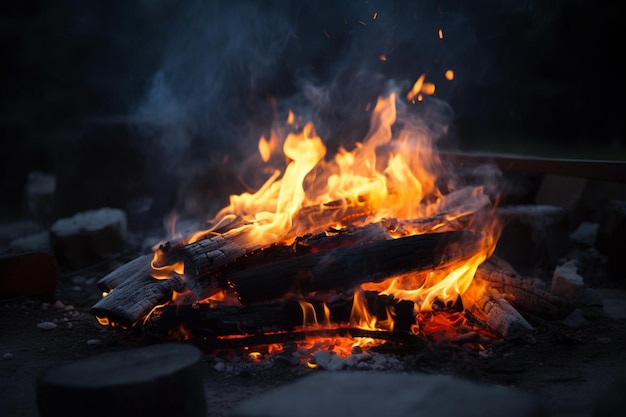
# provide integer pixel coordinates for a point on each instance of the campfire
(381, 243)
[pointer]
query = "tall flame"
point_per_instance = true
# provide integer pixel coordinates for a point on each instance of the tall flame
(392, 173)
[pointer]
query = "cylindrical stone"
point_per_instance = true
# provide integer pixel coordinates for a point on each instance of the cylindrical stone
(158, 380)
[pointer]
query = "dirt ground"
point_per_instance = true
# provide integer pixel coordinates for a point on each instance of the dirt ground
(567, 368)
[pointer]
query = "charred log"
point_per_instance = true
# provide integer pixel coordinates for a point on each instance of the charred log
(346, 267)
(206, 321)
(135, 298)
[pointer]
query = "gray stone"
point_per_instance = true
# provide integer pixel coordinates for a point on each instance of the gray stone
(568, 284)
(86, 237)
(533, 236)
(376, 394)
(39, 242)
(160, 380)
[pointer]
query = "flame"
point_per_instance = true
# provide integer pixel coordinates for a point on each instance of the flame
(420, 87)
(391, 174)
(449, 74)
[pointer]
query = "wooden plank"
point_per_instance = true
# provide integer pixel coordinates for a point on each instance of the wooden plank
(583, 168)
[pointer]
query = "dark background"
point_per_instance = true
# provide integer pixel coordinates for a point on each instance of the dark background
(533, 77)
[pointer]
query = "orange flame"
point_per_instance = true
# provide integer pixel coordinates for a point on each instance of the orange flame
(391, 174)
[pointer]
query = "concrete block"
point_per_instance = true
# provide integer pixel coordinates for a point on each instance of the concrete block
(89, 236)
(376, 394)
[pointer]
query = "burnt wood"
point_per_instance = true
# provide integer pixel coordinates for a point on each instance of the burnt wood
(528, 295)
(591, 169)
(202, 321)
(135, 298)
(346, 267)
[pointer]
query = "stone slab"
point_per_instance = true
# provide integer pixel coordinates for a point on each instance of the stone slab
(376, 394)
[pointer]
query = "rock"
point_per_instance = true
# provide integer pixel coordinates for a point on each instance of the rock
(39, 242)
(376, 394)
(27, 274)
(87, 237)
(568, 284)
(610, 237)
(160, 380)
(46, 325)
(533, 236)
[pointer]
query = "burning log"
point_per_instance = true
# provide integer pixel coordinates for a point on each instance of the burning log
(135, 297)
(205, 321)
(344, 268)
(528, 295)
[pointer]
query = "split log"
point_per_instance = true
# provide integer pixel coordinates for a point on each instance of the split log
(135, 298)
(528, 295)
(500, 317)
(202, 321)
(135, 269)
(345, 268)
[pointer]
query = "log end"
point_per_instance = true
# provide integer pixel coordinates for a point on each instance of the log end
(159, 380)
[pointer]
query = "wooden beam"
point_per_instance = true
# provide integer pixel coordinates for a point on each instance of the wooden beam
(583, 168)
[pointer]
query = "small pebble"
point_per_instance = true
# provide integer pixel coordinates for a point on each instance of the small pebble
(7, 356)
(46, 325)
(59, 304)
(92, 342)
(220, 367)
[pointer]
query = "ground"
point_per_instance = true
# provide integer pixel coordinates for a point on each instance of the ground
(566, 368)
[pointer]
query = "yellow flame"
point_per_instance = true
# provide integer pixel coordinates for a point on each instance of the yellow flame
(449, 75)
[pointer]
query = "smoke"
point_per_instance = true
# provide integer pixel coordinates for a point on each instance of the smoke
(230, 70)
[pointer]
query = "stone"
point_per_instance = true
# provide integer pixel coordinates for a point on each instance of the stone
(161, 380)
(533, 236)
(568, 284)
(89, 236)
(39, 242)
(611, 236)
(376, 394)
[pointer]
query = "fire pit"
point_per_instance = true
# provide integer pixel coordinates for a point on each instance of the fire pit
(384, 243)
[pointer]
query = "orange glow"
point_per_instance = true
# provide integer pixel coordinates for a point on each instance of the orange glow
(420, 87)
(440, 33)
(382, 57)
(449, 75)
(103, 320)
